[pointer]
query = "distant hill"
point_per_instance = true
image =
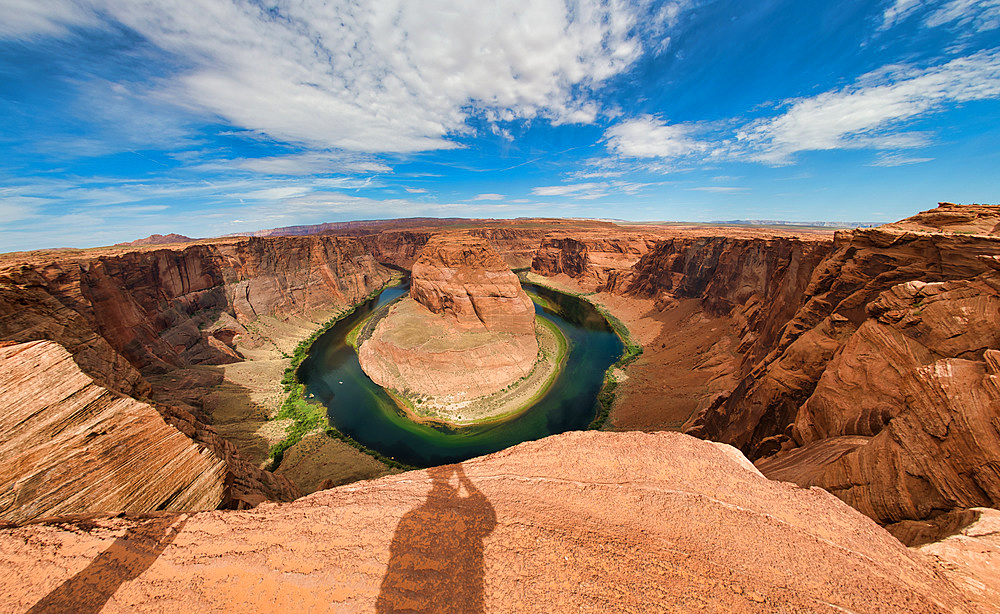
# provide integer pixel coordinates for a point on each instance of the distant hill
(157, 240)
(787, 223)
(363, 226)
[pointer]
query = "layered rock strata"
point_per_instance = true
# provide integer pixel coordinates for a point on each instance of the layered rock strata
(576, 522)
(466, 330)
(147, 316)
(70, 446)
(881, 388)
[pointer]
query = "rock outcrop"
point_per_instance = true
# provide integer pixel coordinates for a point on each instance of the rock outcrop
(595, 258)
(579, 521)
(881, 387)
(146, 315)
(466, 330)
(157, 239)
(70, 446)
(463, 279)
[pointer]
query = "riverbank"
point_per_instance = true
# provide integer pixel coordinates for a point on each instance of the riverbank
(553, 348)
(309, 451)
(616, 372)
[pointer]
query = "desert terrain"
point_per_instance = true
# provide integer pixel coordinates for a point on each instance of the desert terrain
(832, 396)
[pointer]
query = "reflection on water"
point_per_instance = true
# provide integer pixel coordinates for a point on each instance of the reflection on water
(362, 410)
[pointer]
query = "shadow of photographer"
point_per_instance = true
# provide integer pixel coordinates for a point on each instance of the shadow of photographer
(88, 591)
(436, 556)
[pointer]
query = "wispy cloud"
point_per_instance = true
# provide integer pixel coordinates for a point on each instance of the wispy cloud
(980, 15)
(580, 190)
(871, 113)
(897, 159)
(876, 112)
(379, 76)
(489, 197)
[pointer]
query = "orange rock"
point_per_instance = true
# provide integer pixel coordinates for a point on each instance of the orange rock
(467, 329)
(575, 522)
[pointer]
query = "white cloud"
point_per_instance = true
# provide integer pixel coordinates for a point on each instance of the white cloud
(871, 113)
(489, 197)
(980, 15)
(648, 137)
(898, 11)
(416, 190)
(29, 18)
(563, 190)
(590, 190)
(311, 163)
(897, 159)
(379, 75)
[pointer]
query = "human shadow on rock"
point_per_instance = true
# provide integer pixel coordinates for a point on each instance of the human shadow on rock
(436, 556)
(88, 591)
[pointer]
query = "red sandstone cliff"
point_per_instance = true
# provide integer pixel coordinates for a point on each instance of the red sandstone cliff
(462, 278)
(880, 388)
(466, 330)
(70, 446)
(145, 313)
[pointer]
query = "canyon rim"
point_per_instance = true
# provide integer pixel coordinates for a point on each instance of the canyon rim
(846, 380)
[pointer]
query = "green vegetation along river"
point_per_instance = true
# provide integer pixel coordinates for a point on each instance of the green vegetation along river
(362, 410)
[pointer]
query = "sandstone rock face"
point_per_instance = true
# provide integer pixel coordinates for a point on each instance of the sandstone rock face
(760, 283)
(70, 446)
(462, 278)
(467, 329)
(132, 317)
(594, 258)
(881, 387)
(952, 218)
(577, 522)
(156, 308)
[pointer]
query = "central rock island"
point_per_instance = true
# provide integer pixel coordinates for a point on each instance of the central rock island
(465, 345)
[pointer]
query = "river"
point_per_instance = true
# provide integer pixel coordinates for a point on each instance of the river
(362, 410)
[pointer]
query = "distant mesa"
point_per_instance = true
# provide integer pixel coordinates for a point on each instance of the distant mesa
(466, 330)
(156, 240)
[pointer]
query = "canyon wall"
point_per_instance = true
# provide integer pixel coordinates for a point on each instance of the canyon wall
(70, 446)
(881, 388)
(466, 330)
(139, 316)
(759, 282)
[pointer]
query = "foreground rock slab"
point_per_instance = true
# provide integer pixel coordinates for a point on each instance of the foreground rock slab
(594, 522)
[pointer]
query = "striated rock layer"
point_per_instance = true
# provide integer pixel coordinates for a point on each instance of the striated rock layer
(462, 278)
(132, 317)
(70, 446)
(467, 329)
(882, 387)
(594, 522)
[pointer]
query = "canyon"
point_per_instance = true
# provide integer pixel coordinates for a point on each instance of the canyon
(857, 372)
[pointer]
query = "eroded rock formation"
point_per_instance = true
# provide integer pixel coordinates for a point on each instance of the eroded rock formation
(147, 315)
(575, 522)
(881, 387)
(70, 446)
(466, 330)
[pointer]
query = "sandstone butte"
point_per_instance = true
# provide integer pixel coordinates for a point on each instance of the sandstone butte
(865, 365)
(594, 522)
(466, 330)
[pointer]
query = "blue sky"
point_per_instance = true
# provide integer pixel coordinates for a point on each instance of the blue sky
(121, 118)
